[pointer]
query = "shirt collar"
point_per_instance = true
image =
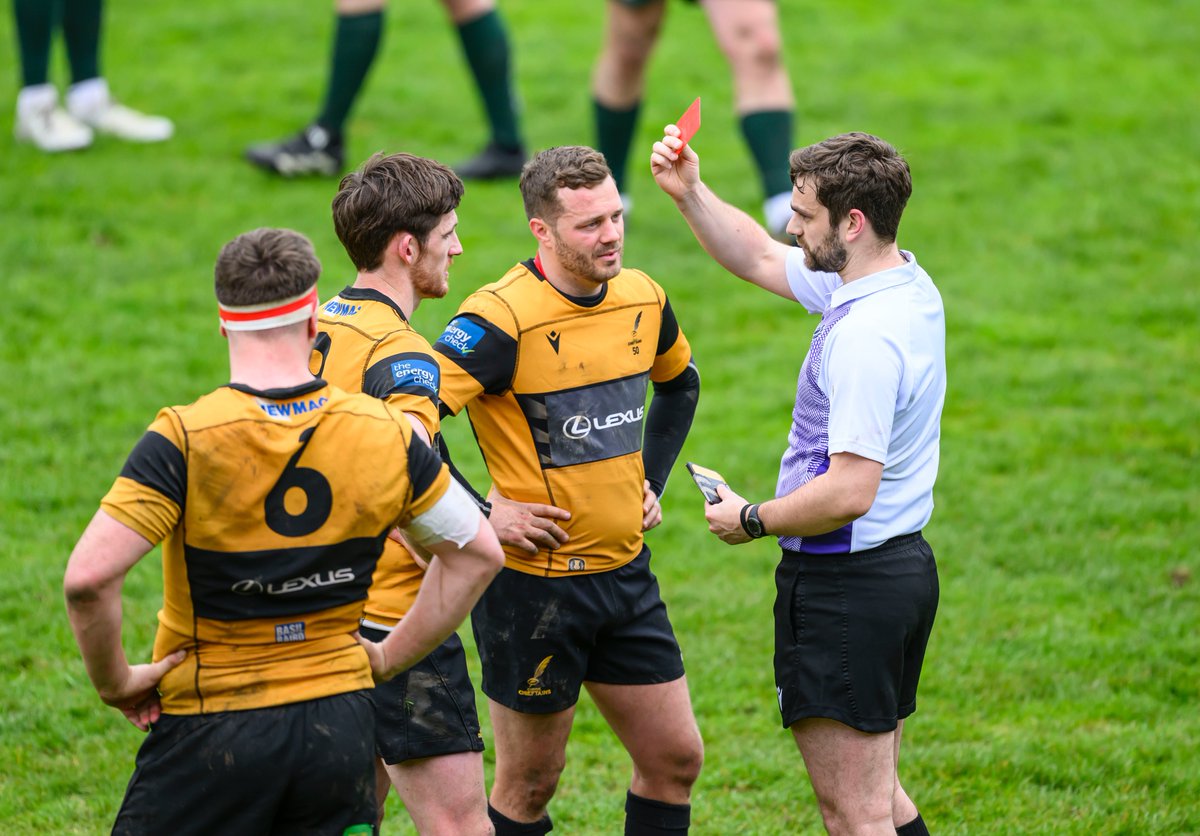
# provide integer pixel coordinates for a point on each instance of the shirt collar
(875, 282)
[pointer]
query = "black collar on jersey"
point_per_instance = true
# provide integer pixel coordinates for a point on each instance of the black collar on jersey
(370, 294)
(535, 266)
(283, 394)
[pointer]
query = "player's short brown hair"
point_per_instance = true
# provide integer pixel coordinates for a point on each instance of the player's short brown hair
(856, 171)
(392, 193)
(564, 167)
(265, 265)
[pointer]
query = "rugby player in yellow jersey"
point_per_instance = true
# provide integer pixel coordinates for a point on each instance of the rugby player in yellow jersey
(273, 497)
(396, 218)
(553, 363)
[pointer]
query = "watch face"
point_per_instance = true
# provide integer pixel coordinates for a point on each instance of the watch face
(753, 524)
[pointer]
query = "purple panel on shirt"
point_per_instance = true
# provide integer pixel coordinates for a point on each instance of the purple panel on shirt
(807, 455)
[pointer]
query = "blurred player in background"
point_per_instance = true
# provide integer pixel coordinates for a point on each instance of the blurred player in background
(396, 218)
(90, 109)
(553, 363)
(319, 149)
(747, 32)
(273, 497)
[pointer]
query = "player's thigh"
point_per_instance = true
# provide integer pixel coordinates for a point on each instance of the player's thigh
(443, 794)
(632, 28)
(529, 744)
(850, 770)
(654, 723)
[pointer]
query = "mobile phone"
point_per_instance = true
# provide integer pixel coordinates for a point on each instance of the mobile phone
(707, 481)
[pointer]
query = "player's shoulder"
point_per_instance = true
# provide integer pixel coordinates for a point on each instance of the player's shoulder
(366, 312)
(635, 285)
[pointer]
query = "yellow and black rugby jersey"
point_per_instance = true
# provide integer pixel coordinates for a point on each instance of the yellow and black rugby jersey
(366, 345)
(274, 507)
(555, 388)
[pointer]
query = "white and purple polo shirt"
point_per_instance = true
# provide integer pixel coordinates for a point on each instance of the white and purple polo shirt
(873, 384)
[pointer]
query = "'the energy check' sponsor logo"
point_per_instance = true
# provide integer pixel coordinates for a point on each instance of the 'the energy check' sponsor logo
(317, 580)
(461, 335)
(580, 426)
(534, 683)
(415, 373)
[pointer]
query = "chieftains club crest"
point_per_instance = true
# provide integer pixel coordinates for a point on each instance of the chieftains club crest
(533, 685)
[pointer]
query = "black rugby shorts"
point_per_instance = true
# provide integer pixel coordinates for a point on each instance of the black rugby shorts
(851, 631)
(305, 767)
(427, 710)
(541, 638)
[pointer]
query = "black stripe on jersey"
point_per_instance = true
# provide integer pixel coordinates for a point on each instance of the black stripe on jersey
(157, 463)
(482, 350)
(588, 423)
(233, 586)
(408, 373)
(424, 465)
(669, 332)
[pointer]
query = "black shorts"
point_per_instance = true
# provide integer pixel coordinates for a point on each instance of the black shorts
(306, 767)
(851, 631)
(427, 710)
(541, 638)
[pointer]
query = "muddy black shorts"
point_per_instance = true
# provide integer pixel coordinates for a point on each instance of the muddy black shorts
(427, 710)
(541, 638)
(851, 631)
(306, 767)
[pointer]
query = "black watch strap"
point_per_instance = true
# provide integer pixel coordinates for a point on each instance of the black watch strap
(751, 524)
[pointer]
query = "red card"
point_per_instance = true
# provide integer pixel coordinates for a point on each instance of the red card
(689, 122)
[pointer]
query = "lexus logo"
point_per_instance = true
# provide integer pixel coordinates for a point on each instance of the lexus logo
(577, 426)
(248, 587)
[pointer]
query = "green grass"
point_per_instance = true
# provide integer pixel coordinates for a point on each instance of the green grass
(1057, 191)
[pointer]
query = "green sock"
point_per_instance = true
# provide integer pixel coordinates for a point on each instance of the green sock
(614, 135)
(35, 23)
(354, 47)
(81, 33)
(485, 44)
(769, 135)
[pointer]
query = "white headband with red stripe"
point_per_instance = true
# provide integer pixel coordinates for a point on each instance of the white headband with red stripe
(270, 315)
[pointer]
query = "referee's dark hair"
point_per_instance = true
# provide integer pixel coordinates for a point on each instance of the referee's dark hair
(387, 194)
(856, 171)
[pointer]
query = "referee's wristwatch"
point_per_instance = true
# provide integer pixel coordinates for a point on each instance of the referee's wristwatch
(751, 523)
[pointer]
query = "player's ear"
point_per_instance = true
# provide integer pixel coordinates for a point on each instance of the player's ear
(406, 247)
(313, 328)
(540, 230)
(223, 333)
(856, 224)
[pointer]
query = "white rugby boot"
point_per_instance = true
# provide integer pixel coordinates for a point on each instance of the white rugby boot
(92, 104)
(41, 122)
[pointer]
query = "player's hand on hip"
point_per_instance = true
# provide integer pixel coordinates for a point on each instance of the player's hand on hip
(675, 166)
(725, 517)
(529, 526)
(376, 656)
(137, 695)
(419, 555)
(651, 507)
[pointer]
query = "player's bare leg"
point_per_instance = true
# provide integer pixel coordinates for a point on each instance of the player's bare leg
(531, 752)
(444, 795)
(853, 774)
(629, 38)
(903, 808)
(747, 31)
(656, 726)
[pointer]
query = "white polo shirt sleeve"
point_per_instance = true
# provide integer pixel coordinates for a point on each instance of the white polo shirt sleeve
(812, 288)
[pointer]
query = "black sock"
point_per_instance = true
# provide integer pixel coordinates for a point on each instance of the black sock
(35, 25)
(81, 33)
(507, 827)
(354, 47)
(614, 135)
(647, 817)
(768, 133)
(485, 45)
(916, 827)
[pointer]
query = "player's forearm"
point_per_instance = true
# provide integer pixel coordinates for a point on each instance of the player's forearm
(95, 616)
(450, 588)
(667, 423)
